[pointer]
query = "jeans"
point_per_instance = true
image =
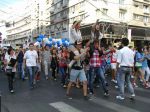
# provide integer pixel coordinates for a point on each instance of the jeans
(146, 72)
(10, 80)
(62, 71)
(46, 67)
(21, 70)
(125, 76)
(31, 71)
(92, 74)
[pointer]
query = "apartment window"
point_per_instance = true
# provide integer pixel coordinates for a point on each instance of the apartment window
(105, 11)
(146, 9)
(138, 17)
(77, 7)
(146, 19)
(121, 2)
(41, 13)
(122, 14)
(72, 9)
(82, 17)
(82, 4)
(98, 12)
(47, 1)
(58, 5)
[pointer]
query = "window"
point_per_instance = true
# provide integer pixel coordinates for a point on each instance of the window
(82, 17)
(47, 2)
(145, 19)
(41, 13)
(72, 9)
(138, 17)
(122, 14)
(81, 4)
(105, 11)
(146, 9)
(121, 2)
(98, 12)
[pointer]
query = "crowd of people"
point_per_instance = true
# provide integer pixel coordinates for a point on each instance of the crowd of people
(82, 64)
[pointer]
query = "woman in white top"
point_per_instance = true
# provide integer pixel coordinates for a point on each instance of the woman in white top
(10, 68)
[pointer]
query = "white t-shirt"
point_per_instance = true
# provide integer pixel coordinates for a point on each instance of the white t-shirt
(125, 57)
(7, 58)
(74, 35)
(31, 57)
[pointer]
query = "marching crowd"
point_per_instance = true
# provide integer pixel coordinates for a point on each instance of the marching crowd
(82, 64)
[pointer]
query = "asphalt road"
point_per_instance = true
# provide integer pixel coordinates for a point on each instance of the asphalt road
(49, 96)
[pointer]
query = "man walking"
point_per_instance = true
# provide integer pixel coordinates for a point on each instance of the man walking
(31, 59)
(125, 60)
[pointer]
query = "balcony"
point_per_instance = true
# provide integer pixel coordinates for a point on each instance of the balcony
(123, 7)
(65, 16)
(146, 0)
(52, 10)
(65, 5)
(52, 21)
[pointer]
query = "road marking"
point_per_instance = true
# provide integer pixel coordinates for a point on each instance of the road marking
(63, 107)
(113, 106)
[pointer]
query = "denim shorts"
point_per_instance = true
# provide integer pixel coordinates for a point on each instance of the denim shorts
(74, 74)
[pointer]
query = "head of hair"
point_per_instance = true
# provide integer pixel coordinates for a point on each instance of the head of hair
(9, 50)
(31, 44)
(139, 49)
(96, 41)
(74, 22)
(125, 41)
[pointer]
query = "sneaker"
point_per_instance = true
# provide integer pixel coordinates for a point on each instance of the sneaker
(97, 86)
(77, 86)
(26, 78)
(91, 92)
(55, 79)
(87, 98)
(64, 86)
(106, 94)
(132, 96)
(69, 97)
(114, 81)
(120, 97)
(116, 87)
(135, 85)
(11, 91)
(132, 76)
(147, 85)
(46, 77)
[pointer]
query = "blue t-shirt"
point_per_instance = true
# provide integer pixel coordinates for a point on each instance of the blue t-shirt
(144, 63)
(138, 57)
(20, 57)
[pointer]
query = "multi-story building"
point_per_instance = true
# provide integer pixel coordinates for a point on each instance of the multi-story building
(28, 25)
(115, 16)
(19, 29)
(55, 17)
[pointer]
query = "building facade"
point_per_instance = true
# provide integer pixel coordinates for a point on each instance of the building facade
(55, 17)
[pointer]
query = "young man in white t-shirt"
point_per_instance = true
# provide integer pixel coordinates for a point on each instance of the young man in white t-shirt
(30, 59)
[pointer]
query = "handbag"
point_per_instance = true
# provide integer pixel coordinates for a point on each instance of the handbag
(8, 71)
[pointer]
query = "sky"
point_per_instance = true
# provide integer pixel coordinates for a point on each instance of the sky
(8, 7)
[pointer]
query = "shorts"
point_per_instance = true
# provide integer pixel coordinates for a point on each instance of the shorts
(74, 74)
(113, 65)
